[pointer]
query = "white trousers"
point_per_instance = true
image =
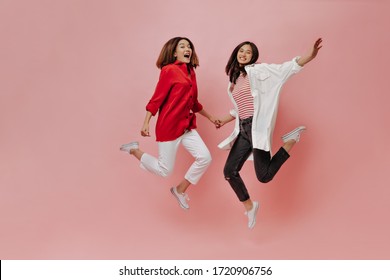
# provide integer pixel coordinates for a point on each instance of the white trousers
(163, 166)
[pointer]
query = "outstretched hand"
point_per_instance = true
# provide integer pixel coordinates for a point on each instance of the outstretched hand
(317, 46)
(312, 54)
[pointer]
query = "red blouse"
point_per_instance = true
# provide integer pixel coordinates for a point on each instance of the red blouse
(176, 100)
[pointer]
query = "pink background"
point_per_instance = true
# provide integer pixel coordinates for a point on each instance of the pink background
(75, 78)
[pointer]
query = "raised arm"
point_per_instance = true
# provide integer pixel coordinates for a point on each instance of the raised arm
(309, 57)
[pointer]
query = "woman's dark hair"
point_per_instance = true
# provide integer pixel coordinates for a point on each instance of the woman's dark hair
(167, 54)
(233, 68)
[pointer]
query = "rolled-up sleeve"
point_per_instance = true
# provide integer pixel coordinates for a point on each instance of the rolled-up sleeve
(161, 92)
(197, 107)
(284, 71)
(233, 113)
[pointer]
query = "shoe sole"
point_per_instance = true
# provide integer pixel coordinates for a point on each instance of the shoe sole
(298, 129)
(127, 149)
(254, 220)
(178, 200)
(129, 146)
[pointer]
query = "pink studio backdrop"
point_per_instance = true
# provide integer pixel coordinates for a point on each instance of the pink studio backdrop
(75, 78)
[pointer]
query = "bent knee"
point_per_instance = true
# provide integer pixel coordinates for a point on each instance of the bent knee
(165, 172)
(264, 179)
(229, 173)
(205, 159)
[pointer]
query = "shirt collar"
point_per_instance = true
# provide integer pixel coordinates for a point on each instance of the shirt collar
(183, 65)
(178, 62)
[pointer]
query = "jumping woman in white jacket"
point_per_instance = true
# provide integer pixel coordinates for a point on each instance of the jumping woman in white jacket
(254, 89)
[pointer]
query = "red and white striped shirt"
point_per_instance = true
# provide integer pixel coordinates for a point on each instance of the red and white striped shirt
(243, 97)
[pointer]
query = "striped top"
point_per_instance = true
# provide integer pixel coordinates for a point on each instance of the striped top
(243, 97)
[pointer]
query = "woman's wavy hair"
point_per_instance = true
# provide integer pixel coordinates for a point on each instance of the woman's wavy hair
(167, 54)
(233, 69)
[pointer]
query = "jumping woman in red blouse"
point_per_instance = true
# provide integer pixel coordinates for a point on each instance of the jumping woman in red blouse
(176, 101)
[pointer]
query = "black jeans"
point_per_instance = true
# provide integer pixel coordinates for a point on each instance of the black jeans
(265, 166)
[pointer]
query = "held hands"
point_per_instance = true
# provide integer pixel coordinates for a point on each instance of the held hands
(224, 120)
(216, 122)
(220, 121)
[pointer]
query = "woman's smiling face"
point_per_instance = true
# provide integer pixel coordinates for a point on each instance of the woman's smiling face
(183, 51)
(244, 55)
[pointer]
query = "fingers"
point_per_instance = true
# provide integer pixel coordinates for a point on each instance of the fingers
(317, 46)
(218, 123)
(317, 43)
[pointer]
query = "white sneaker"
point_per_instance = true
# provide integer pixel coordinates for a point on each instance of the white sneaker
(252, 215)
(181, 198)
(129, 146)
(294, 134)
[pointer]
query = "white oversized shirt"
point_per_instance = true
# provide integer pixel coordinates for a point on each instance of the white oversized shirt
(266, 81)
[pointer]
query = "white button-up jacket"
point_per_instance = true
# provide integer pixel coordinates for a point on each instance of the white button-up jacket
(266, 81)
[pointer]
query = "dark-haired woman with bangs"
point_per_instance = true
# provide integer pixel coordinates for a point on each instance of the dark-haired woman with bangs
(176, 101)
(254, 90)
